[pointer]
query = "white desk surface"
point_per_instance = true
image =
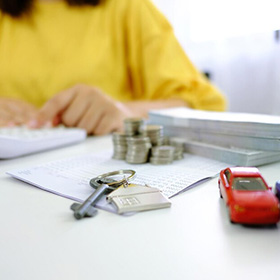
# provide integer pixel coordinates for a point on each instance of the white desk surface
(40, 239)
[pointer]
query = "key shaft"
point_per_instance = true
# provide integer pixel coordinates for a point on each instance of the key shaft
(85, 209)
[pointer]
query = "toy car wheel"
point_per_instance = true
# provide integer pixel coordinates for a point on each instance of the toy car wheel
(220, 190)
(230, 217)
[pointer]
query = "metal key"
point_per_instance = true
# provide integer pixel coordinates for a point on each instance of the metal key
(103, 184)
(86, 209)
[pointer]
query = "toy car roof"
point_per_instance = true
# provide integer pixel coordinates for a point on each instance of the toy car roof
(245, 171)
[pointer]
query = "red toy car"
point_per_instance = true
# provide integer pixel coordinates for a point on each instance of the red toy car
(248, 197)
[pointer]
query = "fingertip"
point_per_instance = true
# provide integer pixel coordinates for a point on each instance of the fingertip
(11, 124)
(33, 123)
(49, 124)
(56, 121)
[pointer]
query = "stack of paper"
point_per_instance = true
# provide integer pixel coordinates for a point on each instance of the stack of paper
(237, 138)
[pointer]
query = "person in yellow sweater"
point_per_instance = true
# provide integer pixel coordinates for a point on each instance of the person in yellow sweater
(93, 63)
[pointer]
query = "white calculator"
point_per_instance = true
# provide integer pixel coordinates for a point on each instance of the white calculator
(20, 140)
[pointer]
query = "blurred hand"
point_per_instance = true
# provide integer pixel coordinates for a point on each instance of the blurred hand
(15, 112)
(84, 107)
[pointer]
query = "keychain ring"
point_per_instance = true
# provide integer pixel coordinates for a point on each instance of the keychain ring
(118, 172)
(101, 179)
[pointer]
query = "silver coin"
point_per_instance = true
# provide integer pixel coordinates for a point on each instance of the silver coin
(160, 161)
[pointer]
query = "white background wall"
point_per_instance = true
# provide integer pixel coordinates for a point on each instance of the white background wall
(234, 40)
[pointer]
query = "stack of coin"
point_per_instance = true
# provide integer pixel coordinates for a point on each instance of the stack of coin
(138, 149)
(120, 145)
(162, 155)
(178, 144)
(132, 126)
(155, 133)
(135, 144)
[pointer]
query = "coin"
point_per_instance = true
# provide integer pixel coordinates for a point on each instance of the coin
(138, 149)
(178, 143)
(132, 126)
(120, 145)
(162, 155)
(155, 133)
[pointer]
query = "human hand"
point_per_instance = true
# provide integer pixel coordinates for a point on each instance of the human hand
(15, 112)
(84, 107)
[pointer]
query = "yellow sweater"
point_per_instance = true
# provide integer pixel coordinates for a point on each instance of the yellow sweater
(125, 47)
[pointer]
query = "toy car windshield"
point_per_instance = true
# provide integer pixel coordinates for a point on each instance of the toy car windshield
(248, 184)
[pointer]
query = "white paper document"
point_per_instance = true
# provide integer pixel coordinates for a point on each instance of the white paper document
(230, 123)
(70, 177)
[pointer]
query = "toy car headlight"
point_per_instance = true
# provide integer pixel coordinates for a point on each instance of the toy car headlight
(239, 208)
(275, 208)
